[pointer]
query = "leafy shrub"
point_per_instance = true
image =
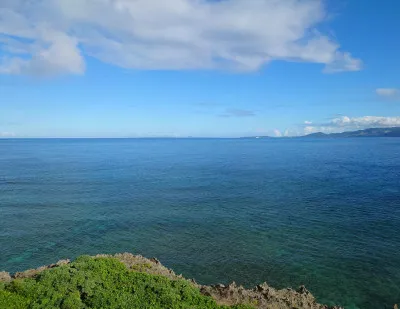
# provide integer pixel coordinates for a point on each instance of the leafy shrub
(102, 283)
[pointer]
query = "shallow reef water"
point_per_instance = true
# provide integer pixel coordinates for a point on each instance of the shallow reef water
(320, 212)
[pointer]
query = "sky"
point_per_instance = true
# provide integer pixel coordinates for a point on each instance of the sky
(200, 68)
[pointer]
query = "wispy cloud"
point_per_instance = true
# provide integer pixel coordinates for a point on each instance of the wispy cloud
(233, 112)
(343, 62)
(7, 134)
(48, 37)
(345, 123)
(53, 54)
(389, 93)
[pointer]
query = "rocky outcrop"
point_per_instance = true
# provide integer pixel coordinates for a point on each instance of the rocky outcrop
(33, 272)
(5, 277)
(262, 296)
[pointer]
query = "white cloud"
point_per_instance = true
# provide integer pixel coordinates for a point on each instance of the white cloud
(57, 54)
(278, 133)
(307, 122)
(366, 121)
(49, 36)
(343, 62)
(310, 129)
(387, 92)
(345, 123)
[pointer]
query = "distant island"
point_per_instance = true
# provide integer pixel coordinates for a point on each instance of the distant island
(372, 132)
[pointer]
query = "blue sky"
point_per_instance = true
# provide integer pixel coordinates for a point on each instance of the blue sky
(122, 68)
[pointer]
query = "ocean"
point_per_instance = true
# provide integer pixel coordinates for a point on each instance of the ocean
(320, 212)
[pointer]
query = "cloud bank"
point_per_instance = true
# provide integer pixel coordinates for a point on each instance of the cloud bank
(345, 123)
(50, 37)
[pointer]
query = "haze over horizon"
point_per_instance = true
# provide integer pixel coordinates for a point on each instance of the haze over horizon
(147, 68)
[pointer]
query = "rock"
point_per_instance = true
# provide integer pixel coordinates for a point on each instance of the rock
(262, 287)
(302, 290)
(263, 297)
(155, 260)
(193, 281)
(5, 277)
(63, 262)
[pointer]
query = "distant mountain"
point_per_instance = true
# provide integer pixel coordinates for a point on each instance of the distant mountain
(373, 132)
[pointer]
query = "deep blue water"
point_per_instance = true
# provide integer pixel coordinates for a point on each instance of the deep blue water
(324, 213)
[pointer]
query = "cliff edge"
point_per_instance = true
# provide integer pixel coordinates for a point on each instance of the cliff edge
(224, 296)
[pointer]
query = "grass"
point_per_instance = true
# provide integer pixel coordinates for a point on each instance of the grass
(102, 283)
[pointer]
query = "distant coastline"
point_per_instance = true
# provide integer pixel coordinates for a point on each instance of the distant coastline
(372, 132)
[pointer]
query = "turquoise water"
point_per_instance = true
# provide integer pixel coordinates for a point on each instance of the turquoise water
(324, 213)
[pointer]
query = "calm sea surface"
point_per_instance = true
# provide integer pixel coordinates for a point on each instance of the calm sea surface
(324, 213)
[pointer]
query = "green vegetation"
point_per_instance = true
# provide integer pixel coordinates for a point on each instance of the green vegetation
(102, 283)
